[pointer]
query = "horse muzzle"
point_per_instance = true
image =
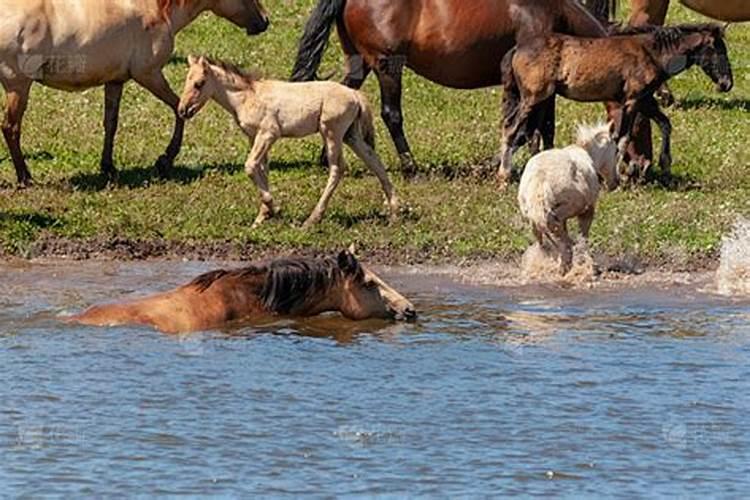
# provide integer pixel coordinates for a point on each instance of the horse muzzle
(187, 112)
(725, 85)
(406, 314)
(258, 27)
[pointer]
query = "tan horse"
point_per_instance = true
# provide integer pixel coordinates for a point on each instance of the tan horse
(267, 110)
(77, 44)
(288, 287)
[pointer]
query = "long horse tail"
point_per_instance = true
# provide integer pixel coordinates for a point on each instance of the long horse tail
(315, 39)
(365, 122)
(581, 22)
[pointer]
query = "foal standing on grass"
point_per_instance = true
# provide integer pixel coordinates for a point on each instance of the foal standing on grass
(627, 68)
(559, 184)
(267, 110)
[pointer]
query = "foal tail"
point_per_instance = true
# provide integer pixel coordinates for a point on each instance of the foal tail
(315, 39)
(364, 124)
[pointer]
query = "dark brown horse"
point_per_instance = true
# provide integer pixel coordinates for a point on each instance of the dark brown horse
(627, 68)
(455, 43)
(288, 287)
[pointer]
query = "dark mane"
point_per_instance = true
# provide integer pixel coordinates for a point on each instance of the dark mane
(665, 37)
(288, 283)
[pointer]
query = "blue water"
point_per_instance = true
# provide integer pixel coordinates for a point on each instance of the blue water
(495, 391)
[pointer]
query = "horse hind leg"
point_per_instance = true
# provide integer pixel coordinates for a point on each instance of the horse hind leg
(337, 167)
(368, 155)
(16, 101)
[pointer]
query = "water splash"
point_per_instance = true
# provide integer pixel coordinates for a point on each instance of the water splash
(542, 265)
(733, 275)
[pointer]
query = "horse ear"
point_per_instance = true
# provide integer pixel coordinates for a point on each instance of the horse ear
(348, 263)
(192, 60)
(352, 249)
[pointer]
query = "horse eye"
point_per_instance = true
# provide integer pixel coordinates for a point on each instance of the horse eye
(370, 285)
(199, 85)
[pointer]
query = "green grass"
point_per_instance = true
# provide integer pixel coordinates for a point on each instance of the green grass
(209, 198)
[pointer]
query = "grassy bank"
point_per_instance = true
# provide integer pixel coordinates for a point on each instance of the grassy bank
(209, 201)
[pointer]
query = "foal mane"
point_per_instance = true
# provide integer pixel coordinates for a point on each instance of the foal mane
(287, 283)
(666, 38)
(249, 77)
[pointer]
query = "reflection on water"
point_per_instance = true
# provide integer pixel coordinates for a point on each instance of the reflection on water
(636, 387)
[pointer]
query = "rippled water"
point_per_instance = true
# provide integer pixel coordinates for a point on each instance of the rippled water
(630, 389)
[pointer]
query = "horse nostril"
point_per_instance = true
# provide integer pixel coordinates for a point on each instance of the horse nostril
(410, 313)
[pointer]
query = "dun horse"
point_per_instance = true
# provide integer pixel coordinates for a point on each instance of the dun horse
(78, 44)
(288, 287)
(267, 110)
(445, 41)
(627, 68)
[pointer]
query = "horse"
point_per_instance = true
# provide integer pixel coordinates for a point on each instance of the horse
(267, 110)
(289, 287)
(79, 44)
(627, 68)
(455, 43)
(559, 184)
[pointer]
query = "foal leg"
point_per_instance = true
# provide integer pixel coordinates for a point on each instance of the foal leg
(255, 167)
(16, 99)
(156, 84)
(337, 167)
(389, 73)
(651, 109)
(112, 98)
(371, 159)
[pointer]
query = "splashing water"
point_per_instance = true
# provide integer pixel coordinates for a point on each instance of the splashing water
(541, 265)
(733, 275)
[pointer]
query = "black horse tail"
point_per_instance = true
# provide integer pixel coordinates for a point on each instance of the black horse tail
(315, 39)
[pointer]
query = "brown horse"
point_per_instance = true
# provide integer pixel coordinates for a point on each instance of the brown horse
(644, 12)
(78, 44)
(288, 287)
(456, 43)
(626, 68)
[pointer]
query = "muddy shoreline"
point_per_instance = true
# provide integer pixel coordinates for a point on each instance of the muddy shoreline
(125, 249)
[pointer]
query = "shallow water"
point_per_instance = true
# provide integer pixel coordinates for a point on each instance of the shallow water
(635, 387)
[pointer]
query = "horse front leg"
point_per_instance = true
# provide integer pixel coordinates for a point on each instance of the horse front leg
(112, 98)
(16, 100)
(389, 72)
(651, 109)
(159, 87)
(257, 168)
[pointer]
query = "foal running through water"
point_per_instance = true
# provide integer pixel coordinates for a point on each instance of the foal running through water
(267, 110)
(288, 287)
(627, 67)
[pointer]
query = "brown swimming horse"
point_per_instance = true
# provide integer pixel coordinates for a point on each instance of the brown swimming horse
(455, 43)
(288, 287)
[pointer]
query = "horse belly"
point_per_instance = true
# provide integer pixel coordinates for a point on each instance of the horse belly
(723, 10)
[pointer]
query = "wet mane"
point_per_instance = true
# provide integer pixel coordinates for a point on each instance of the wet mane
(287, 285)
(666, 38)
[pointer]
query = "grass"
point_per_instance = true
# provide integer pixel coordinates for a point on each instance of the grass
(210, 199)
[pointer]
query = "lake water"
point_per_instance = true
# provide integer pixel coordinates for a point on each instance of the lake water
(627, 388)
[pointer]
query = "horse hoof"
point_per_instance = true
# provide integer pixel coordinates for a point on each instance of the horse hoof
(24, 183)
(163, 165)
(409, 167)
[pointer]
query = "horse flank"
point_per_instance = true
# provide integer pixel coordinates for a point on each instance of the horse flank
(287, 283)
